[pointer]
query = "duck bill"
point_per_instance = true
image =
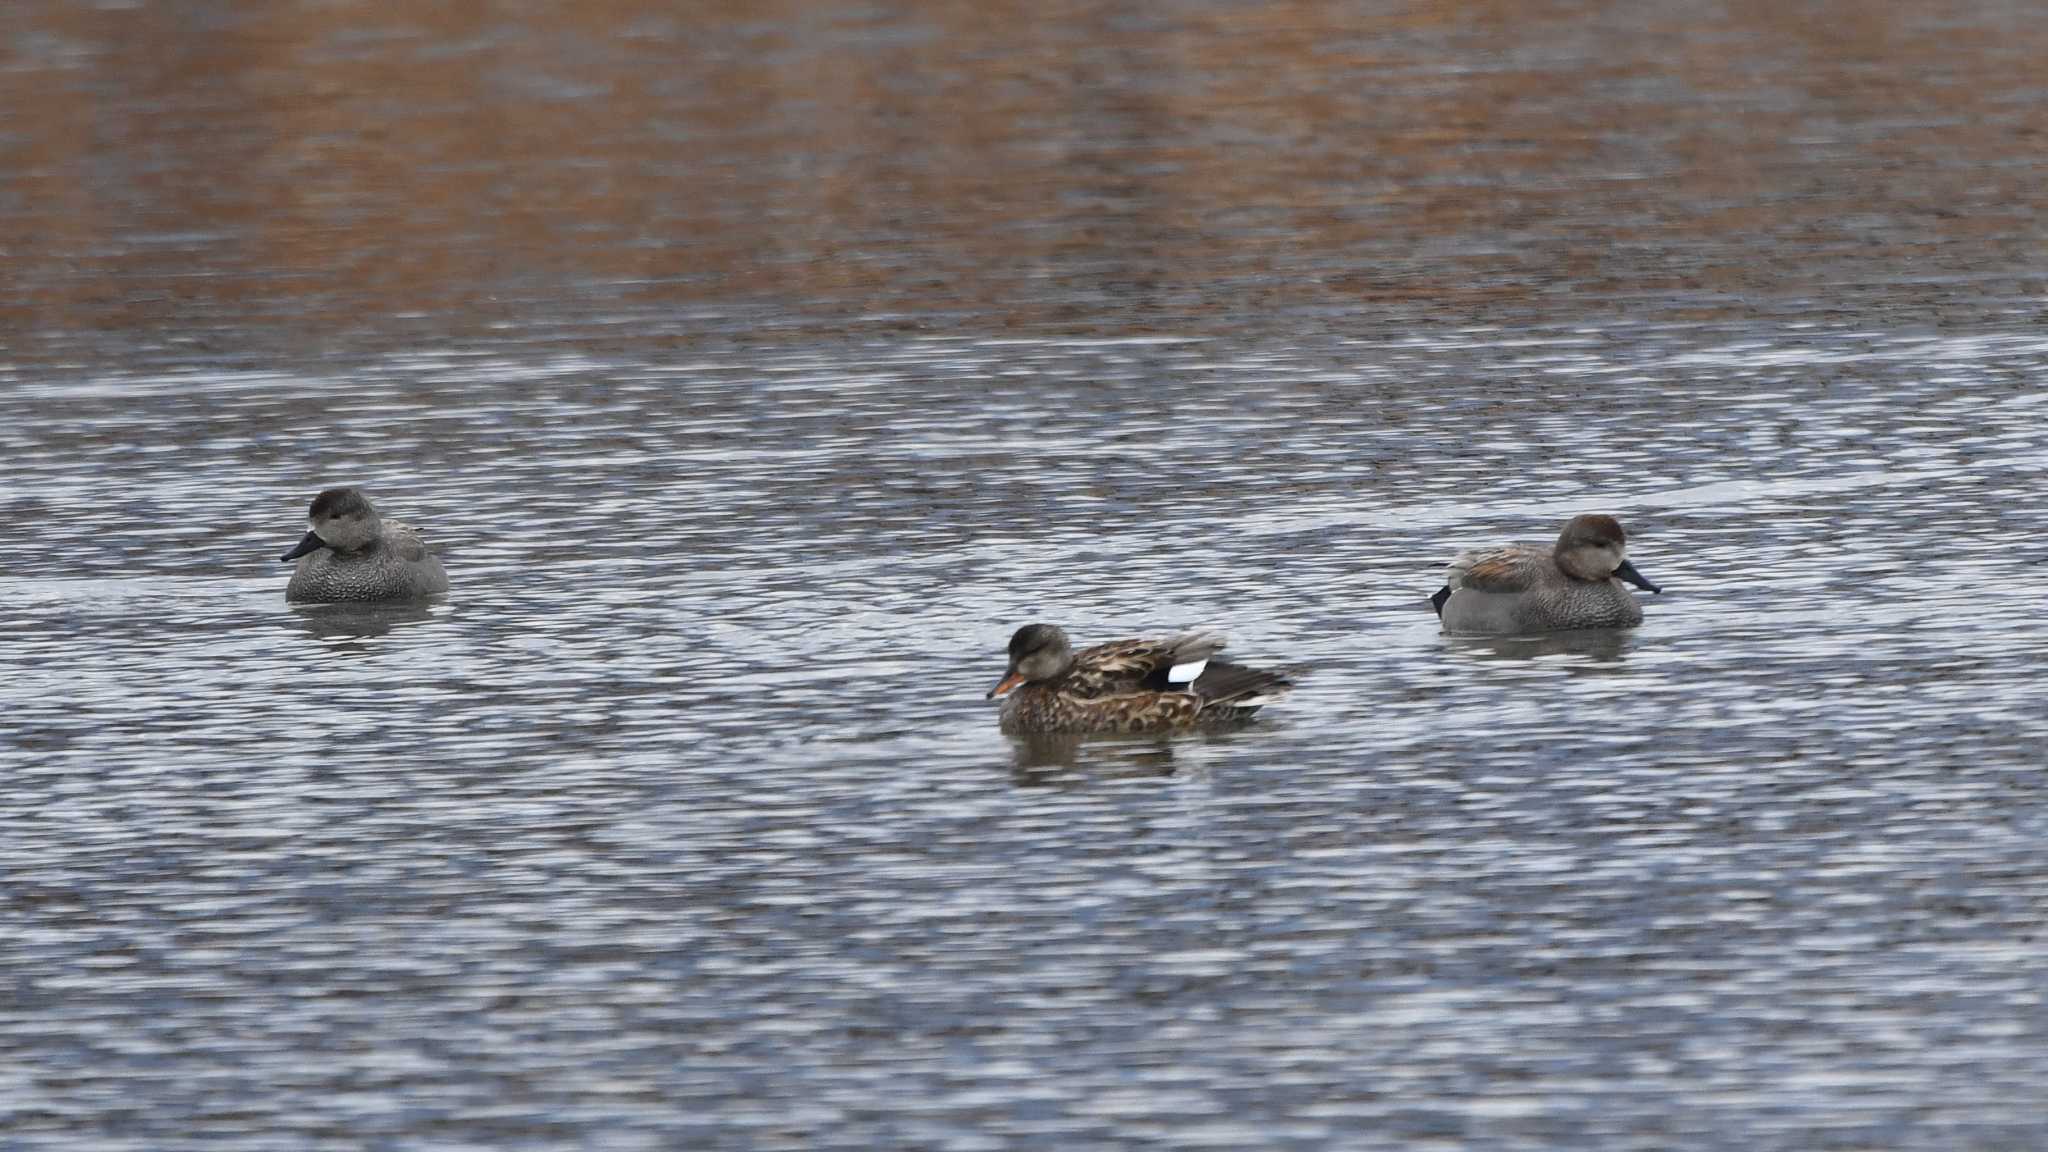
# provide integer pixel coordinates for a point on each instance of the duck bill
(1009, 681)
(310, 542)
(1628, 572)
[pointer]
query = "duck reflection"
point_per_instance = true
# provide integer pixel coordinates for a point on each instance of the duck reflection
(1597, 645)
(340, 623)
(1063, 759)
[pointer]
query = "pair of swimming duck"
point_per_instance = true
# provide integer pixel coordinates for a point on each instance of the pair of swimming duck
(1173, 684)
(1164, 685)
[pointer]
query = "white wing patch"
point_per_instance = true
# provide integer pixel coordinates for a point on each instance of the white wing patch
(1186, 673)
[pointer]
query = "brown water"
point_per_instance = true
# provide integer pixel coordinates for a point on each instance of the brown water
(757, 368)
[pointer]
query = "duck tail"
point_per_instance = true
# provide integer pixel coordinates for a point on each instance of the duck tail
(1454, 572)
(1236, 686)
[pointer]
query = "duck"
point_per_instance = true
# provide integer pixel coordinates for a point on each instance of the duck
(1524, 588)
(351, 554)
(1133, 686)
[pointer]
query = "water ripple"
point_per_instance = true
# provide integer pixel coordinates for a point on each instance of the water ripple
(687, 796)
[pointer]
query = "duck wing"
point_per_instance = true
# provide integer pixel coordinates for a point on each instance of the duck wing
(1125, 666)
(409, 542)
(1234, 685)
(1510, 569)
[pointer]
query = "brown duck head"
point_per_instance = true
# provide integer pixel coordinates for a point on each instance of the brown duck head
(1593, 547)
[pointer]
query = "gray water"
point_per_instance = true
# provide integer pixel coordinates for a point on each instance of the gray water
(682, 822)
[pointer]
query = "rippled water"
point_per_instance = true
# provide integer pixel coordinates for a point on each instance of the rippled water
(684, 816)
(683, 822)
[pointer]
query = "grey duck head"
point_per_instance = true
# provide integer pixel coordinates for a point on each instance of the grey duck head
(1037, 652)
(342, 519)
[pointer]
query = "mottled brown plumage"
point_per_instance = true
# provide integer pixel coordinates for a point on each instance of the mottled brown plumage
(1158, 685)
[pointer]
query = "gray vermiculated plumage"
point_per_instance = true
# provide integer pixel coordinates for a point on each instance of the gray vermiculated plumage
(354, 556)
(398, 566)
(1545, 604)
(1524, 588)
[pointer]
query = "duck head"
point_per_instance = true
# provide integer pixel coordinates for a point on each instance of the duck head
(1593, 547)
(1037, 652)
(342, 519)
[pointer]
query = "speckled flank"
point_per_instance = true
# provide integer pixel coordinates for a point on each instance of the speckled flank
(398, 566)
(1548, 604)
(1044, 708)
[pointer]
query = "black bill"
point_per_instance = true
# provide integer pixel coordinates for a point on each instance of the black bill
(1628, 572)
(310, 542)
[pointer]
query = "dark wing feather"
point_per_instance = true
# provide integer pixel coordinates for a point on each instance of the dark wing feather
(1223, 683)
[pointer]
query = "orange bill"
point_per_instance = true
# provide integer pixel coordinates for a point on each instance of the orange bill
(1004, 685)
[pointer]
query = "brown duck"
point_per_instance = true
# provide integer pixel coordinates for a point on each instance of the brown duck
(1162, 685)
